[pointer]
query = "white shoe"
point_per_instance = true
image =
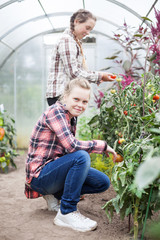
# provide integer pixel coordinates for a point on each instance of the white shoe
(52, 203)
(75, 220)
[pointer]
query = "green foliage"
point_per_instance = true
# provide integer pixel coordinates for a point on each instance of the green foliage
(134, 44)
(139, 127)
(98, 161)
(153, 230)
(7, 143)
(149, 170)
(114, 125)
(84, 132)
(102, 163)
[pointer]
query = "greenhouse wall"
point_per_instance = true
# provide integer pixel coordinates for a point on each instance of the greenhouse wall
(24, 76)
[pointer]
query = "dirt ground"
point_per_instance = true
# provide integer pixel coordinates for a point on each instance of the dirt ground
(28, 219)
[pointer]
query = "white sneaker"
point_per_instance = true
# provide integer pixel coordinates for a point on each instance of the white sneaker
(52, 203)
(75, 220)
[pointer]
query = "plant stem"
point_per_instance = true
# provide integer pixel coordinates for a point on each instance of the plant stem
(149, 200)
(136, 218)
(145, 78)
(129, 222)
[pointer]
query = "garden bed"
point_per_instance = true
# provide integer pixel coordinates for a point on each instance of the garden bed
(26, 219)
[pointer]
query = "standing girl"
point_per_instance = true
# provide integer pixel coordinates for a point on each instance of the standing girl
(58, 164)
(68, 61)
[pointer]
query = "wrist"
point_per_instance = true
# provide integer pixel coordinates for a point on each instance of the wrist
(105, 147)
(102, 76)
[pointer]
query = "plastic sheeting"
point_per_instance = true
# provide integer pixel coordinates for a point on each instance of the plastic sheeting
(23, 20)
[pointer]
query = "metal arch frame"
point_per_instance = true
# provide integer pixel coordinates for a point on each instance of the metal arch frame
(50, 15)
(131, 10)
(13, 1)
(9, 2)
(50, 31)
(33, 20)
(58, 30)
(69, 13)
(60, 14)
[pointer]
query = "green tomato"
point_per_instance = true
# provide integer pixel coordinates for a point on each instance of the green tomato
(113, 91)
(8, 162)
(149, 85)
(7, 155)
(119, 79)
(2, 159)
(1, 121)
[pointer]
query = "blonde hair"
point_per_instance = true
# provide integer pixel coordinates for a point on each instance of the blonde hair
(77, 82)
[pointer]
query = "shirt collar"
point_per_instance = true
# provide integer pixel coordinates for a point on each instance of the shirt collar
(63, 106)
(68, 31)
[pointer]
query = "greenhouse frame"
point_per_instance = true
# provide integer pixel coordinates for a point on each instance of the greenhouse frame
(28, 31)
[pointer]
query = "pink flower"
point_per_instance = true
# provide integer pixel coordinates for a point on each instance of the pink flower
(155, 47)
(98, 99)
(127, 80)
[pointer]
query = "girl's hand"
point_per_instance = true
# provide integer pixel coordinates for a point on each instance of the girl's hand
(108, 77)
(111, 150)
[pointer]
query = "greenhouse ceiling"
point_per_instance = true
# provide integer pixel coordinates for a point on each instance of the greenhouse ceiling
(23, 20)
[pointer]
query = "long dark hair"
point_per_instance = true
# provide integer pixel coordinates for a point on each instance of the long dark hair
(82, 16)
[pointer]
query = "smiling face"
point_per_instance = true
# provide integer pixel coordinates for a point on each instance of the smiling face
(83, 29)
(77, 101)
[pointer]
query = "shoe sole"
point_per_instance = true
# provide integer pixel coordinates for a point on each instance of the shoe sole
(60, 223)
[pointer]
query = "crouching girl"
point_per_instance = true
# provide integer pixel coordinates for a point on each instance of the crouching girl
(58, 164)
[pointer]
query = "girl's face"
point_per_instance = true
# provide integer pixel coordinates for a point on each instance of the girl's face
(83, 29)
(77, 101)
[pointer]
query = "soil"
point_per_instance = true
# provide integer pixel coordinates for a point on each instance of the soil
(29, 219)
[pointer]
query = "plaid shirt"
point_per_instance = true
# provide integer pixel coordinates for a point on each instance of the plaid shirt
(66, 64)
(53, 137)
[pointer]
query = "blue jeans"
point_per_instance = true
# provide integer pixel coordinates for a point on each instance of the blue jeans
(68, 177)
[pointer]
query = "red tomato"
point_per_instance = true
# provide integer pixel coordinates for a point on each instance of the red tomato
(2, 132)
(120, 134)
(121, 140)
(125, 113)
(156, 97)
(113, 76)
(119, 158)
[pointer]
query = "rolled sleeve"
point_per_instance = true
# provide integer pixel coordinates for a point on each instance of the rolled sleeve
(72, 61)
(58, 123)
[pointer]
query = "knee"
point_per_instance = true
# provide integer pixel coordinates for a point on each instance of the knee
(83, 157)
(105, 183)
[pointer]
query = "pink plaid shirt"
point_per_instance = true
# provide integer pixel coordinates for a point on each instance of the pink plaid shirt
(53, 137)
(66, 64)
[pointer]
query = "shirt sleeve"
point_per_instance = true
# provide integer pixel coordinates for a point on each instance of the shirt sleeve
(69, 50)
(57, 122)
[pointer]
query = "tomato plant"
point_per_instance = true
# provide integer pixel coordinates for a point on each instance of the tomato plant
(7, 142)
(138, 137)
